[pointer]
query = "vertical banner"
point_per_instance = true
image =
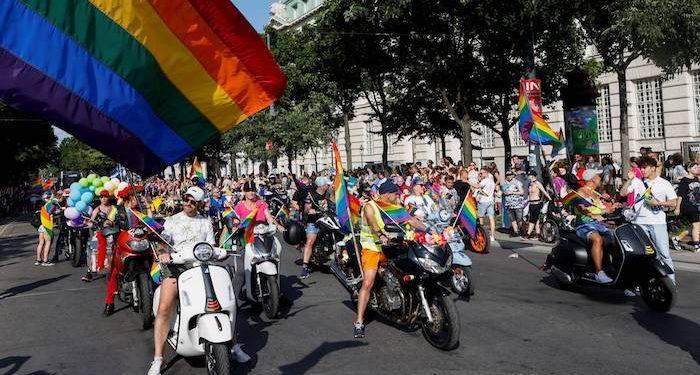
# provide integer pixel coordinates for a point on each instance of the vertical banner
(583, 122)
(530, 97)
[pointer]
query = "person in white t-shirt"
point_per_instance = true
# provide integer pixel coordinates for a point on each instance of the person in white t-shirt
(485, 199)
(650, 213)
(425, 206)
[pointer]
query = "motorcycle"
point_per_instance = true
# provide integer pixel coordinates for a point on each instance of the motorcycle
(135, 286)
(461, 280)
(261, 263)
(552, 218)
(328, 240)
(77, 238)
(206, 314)
(409, 291)
(631, 260)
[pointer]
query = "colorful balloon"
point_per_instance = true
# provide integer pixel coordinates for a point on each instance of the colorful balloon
(75, 186)
(104, 179)
(71, 213)
(97, 183)
(91, 188)
(91, 177)
(70, 202)
(83, 182)
(87, 197)
(80, 206)
(109, 186)
(75, 195)
(115, 181)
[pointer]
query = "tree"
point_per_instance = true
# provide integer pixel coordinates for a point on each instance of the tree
(663, 31)
(27, 145)
(77, 156)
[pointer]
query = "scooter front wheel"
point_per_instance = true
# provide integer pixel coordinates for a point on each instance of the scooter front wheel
(272, 299)
(659, 293)
(218, 358)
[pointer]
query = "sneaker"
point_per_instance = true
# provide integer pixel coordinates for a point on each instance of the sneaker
(155, 367)
(109, 310)
(602, 278)
(359, 330)
(493, 239)
(239, 355)
(37, 262)
(305, 272)
(87, 277)
(629, 293)
(47, 264)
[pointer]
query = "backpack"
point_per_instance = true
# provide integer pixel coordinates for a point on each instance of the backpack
(36, 219)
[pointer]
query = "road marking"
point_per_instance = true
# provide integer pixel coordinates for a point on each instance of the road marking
(4, 228)
(21, 295)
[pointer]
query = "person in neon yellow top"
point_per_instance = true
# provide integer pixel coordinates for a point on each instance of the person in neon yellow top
(372, 236)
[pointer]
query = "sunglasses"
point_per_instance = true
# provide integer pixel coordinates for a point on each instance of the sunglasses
(191, 201)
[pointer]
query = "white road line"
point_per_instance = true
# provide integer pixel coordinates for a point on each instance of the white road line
(21, 295)
(4, 228)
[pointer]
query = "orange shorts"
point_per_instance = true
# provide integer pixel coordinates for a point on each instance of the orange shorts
(371, 259)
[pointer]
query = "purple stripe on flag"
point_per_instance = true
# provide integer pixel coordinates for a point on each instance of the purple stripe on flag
(24, 87)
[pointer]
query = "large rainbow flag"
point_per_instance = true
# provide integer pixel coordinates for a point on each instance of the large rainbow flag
(533, 128)
(147, 82)
(346, 208)
(467, 214)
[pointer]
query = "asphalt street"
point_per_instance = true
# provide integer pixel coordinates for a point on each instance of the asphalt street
(517, 323)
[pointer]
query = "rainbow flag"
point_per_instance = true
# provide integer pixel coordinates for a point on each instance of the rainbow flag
(393, 212)
(248, 234)
(533, 128)
(467, 214)
(48, 184)
(156, 273)
(36, 186)
(283, 215)
(145, 82)
(46, 217)
(196, 170)
(342, 197)
(151, 223)
(132, 219)
(228, 213)
(112, 214)
(248, 220)
(646, 195)
(355, 206)
(573, 199)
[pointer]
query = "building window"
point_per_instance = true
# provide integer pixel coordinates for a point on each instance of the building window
(650, 112)
(486, 140)
(696, 96)
(602, 104)
(368, 146)
(515, 138)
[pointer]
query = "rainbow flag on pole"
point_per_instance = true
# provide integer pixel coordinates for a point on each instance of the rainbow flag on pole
(36, 186)
(155, 273)
(343, 202)
(146, 82)
(149, 221)
(573, 199)
(247, 223)
(228, 213)
(282, 215)
(467, 215)
(533, 128)
(196, 170)
(393, 212)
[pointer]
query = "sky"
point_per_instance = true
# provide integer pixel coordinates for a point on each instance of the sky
(257, 12)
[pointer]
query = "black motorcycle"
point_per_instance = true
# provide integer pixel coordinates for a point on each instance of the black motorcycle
(76, 243)
(327, 241)
(631, 260)
(409, 290)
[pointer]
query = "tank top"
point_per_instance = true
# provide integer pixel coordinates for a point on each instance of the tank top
(368, 239)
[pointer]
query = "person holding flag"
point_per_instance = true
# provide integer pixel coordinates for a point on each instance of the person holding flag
(45, 230)
(251, 203)
(103, 216)
(372, 237)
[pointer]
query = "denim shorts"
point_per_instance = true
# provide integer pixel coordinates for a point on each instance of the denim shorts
(486, 209)
(311, 228)
(584, 230)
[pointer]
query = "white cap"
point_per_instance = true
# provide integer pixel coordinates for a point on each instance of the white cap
(588, 174)
(323, 180)
(196, 193)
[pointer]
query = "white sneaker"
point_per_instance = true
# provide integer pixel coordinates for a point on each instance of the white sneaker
(602, 278)
(238, 354)
(493, 239)
(155, 367)
(629, 293)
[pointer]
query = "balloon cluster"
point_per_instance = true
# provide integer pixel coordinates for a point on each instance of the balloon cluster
(84, 191)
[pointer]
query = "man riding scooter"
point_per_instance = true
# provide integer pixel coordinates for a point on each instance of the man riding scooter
(185, 229)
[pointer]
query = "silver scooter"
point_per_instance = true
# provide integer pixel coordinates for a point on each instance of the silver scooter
(261, 263)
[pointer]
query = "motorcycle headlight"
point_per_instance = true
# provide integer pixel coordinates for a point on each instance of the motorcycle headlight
(203, 252)
(444, 215)
(433, 266)
(138, 245)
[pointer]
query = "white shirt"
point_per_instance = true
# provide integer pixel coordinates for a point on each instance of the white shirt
(661, 190)
(425, 206)
(473, 177)
(188, 231)
(488, 187)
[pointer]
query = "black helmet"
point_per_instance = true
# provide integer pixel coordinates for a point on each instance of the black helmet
(295, 233)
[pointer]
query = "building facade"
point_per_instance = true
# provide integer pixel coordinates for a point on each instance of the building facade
(663, 113)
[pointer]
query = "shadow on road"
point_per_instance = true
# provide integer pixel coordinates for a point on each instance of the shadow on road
(15, 363)
(312, 359)
(15, 247)
(672, 329)
(16, 290)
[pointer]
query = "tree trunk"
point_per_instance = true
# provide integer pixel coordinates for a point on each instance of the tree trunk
(315, 160)
(234, 167)
(348, 143)
(442, 143)
(624, 121)
(385, 149)
(507, 149)
(290, 155)
(466, 124)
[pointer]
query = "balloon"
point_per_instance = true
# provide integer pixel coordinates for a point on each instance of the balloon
(71, 213)
(97, 183)
(91, 188)
(80, 206)
(98, 191)
(77, 222)
(83, 182)
(70, 202)
(115, 181)
(122, 185)
(75, 195)
(89, 210)
(87, 197)
(104, 179)
(91, 177)
(109, 186)
(74, 186)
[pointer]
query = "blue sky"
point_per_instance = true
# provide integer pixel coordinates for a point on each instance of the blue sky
(256, 11)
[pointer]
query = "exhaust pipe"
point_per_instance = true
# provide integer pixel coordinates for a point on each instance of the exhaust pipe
(561, 275)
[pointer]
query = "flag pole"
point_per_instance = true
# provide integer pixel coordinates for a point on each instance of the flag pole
(339, 164)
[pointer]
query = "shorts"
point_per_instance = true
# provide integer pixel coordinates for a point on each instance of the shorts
(585, 230)
(693, 216)
(173, 270)
(371, 259)
(534, 214)
(486, 209)
(311, 228)
(515, 214)
(41, 229)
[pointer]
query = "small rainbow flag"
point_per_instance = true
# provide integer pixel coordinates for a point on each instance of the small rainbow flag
(646, 195)
(112, 214)
(573, 199)
(196, 170)
(149, 221)
(248, 234)
(228, 213)
(467, 214)
(36, 186)
(283, 214)
(533, 128)
(248, 220)
(156, 274)
(393, 212)
(46, 218)
(48, 184)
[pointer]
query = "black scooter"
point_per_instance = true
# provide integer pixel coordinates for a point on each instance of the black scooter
(631, 260)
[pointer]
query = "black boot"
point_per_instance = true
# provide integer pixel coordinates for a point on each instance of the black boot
(109, 310)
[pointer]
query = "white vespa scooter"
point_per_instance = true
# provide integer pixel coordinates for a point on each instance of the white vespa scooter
(261, 265)
(206, 314)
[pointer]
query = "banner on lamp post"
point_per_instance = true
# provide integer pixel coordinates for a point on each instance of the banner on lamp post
(583, 122)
